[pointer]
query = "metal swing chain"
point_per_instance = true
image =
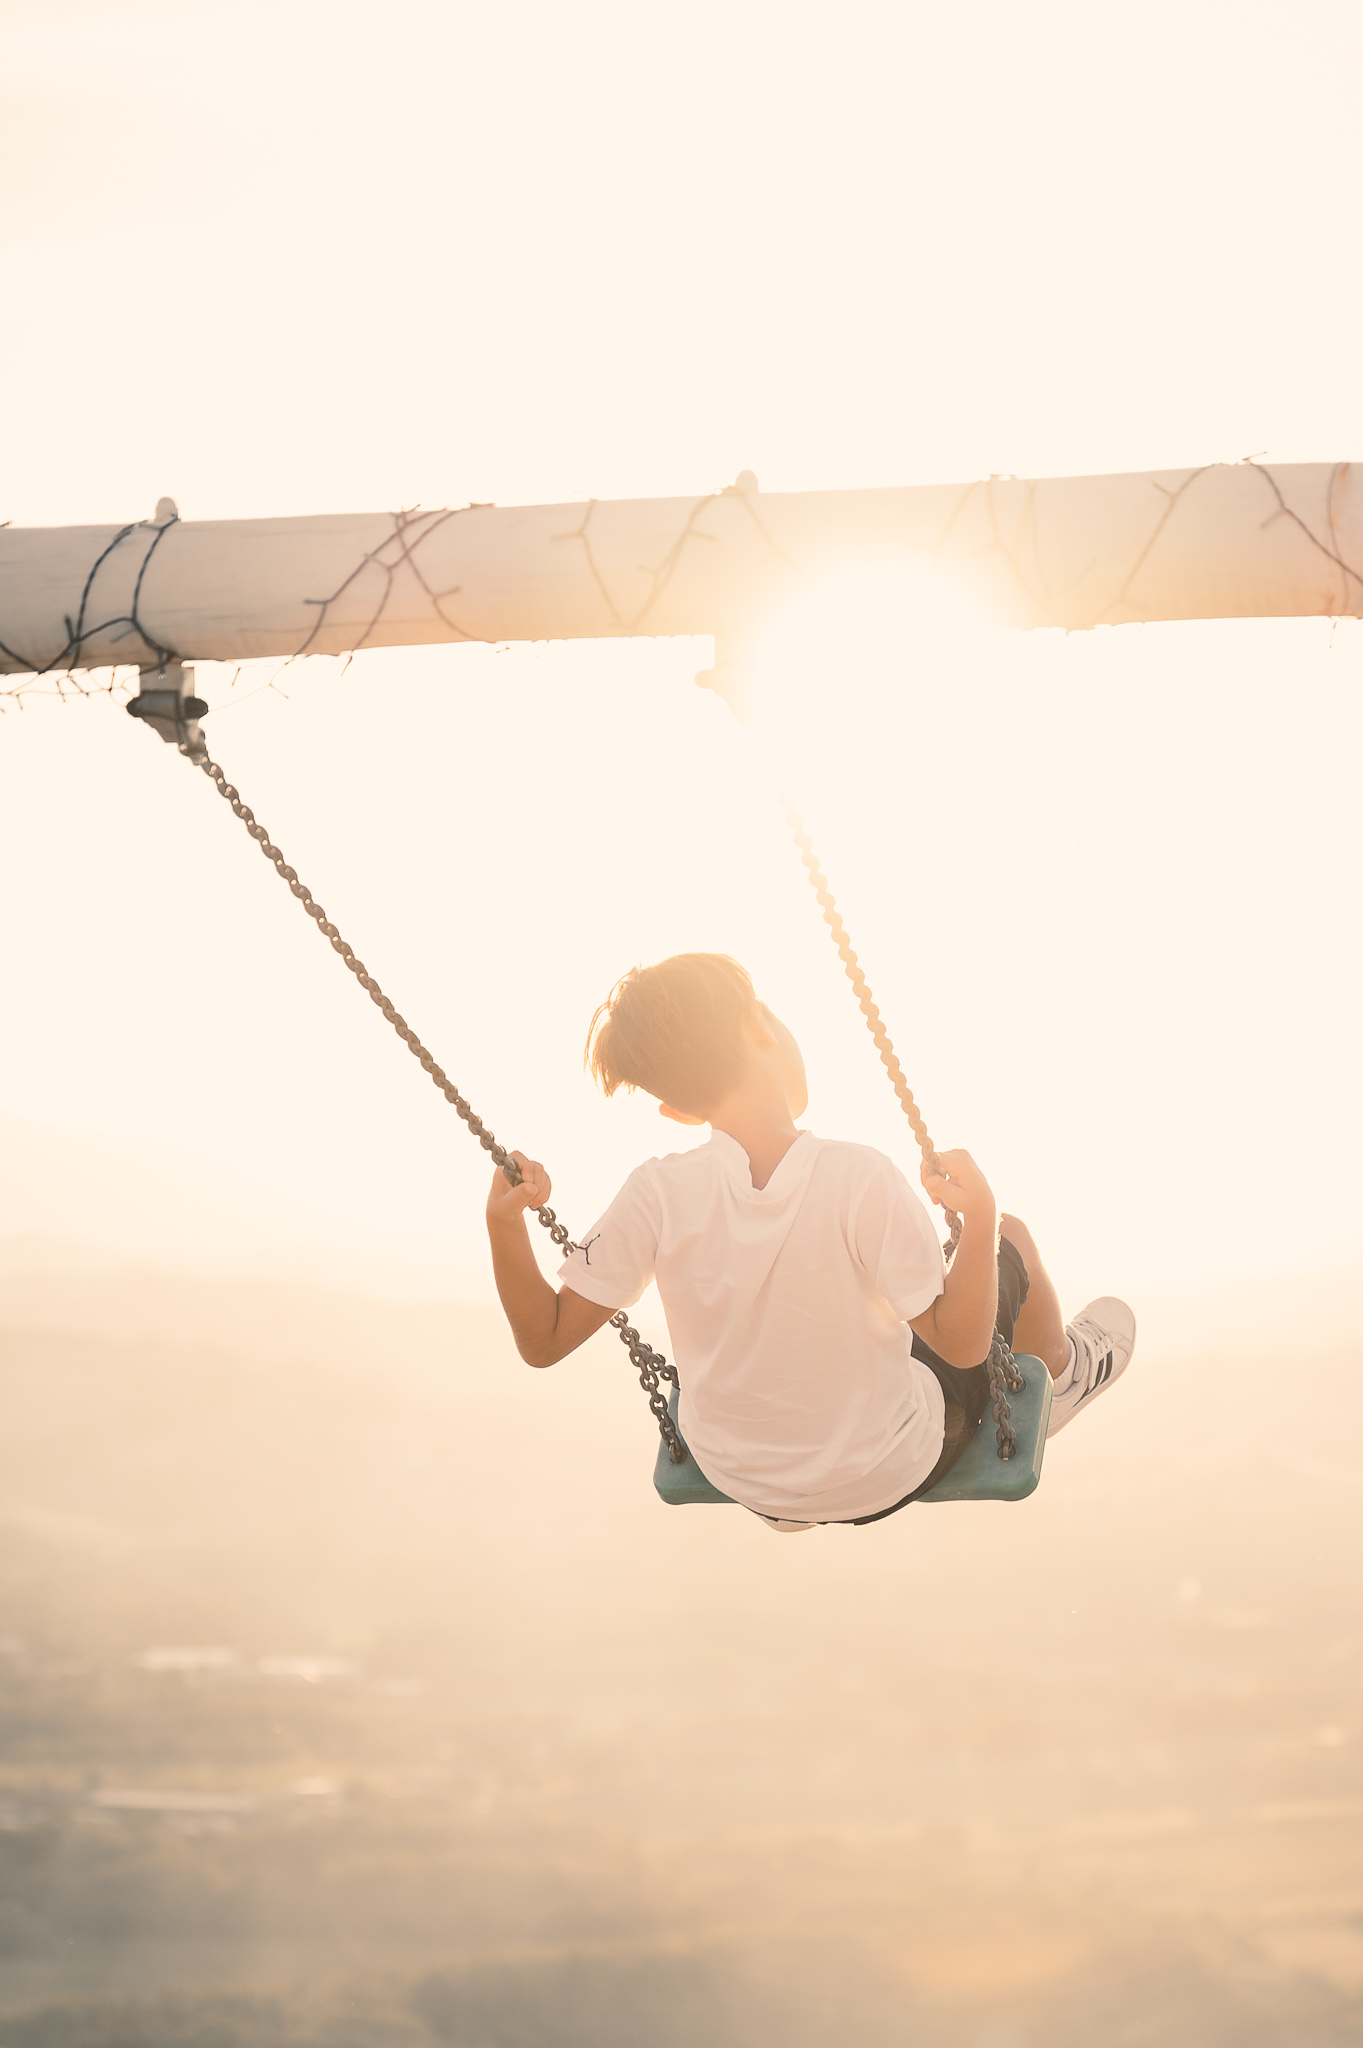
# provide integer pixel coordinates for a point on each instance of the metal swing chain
(1004, 1377)
(650, 1365)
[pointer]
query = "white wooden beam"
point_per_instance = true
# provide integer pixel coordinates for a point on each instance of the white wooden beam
(1226, 541)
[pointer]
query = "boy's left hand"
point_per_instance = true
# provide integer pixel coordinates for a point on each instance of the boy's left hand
(505, 1203)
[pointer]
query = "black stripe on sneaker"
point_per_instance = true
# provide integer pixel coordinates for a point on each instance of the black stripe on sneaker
(1104, 1374)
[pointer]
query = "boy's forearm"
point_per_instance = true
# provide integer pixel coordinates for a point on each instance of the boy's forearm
(529, 1302)
(964, 1314)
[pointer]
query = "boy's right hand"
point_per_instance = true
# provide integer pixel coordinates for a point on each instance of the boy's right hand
(960, 1186)
(505, 1203)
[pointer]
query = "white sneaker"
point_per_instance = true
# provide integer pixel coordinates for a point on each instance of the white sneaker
(1102, 1339)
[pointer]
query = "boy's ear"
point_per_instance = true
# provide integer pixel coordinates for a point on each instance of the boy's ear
(678, 1116)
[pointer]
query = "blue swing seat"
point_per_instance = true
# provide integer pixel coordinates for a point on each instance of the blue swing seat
(978, 1474)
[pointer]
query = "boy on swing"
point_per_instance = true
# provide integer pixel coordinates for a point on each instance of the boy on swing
(830, 1364)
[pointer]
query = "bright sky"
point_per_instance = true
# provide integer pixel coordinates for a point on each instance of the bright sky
(300, 258)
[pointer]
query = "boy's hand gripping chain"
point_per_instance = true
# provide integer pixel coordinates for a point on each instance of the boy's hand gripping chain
(1004, 1377)
(650, 1365)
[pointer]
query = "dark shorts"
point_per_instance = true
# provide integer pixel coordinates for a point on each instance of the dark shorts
(965, 1394)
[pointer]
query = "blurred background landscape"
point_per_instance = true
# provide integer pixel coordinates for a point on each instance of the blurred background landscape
(357, 1690)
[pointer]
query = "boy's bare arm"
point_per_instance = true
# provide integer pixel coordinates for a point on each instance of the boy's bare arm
(959, 1326)
(545, 1323)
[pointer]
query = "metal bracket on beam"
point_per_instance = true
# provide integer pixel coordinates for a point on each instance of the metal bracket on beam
(733, 676)
(165, 701)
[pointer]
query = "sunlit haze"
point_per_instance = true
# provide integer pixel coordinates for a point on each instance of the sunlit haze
(1102, 886)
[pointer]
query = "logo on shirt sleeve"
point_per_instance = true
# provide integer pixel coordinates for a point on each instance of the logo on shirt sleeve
(586, 1249)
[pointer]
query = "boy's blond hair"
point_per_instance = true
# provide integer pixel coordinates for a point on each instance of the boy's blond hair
(674, 1030)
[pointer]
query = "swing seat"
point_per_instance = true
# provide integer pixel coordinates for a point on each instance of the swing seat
(978, 1474)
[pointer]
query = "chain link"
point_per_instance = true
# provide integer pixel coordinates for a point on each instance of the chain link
(1004, 1378)
(650, 1365)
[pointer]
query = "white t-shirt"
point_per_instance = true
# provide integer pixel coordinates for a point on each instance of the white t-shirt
(787, 1307)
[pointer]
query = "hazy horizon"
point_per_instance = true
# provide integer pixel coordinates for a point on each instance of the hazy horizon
(357, 1688)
